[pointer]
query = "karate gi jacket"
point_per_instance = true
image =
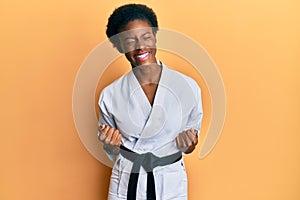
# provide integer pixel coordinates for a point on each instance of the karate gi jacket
(153, 128)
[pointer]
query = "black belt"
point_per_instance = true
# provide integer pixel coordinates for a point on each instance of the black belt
(149, 161)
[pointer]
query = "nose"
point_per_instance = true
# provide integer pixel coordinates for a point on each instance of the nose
(140, 44)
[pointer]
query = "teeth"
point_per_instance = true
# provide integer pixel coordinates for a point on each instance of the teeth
(143, 55)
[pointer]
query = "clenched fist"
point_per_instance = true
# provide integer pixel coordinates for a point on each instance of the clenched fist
(187, 140)
(111, 138)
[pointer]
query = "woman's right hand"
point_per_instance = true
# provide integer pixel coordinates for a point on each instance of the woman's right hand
(110, 136)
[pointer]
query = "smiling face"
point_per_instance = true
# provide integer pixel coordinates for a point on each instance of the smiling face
(138, 42)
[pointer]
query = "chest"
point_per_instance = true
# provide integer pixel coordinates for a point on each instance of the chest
(150, 91)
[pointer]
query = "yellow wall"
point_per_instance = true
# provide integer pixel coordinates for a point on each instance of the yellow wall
(255, 44)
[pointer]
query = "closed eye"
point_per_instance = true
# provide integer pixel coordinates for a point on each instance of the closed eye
(129, 42)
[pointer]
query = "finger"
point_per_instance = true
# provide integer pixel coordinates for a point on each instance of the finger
(187, 139)
(195, 132)
(102, 135)
(191, 135)
(194, 137)
(119, 140)
(101, 127)
(104, 129)
(178, 144)
(182, 140)
(114, 137)
(109, 135)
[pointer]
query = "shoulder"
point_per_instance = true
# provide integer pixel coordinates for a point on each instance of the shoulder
(183, 77)
(113, 87)
(190, 80)
(116, 83)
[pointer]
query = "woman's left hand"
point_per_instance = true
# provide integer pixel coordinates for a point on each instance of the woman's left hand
(187, 140)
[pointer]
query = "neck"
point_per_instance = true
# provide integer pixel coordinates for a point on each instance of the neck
(147, 74)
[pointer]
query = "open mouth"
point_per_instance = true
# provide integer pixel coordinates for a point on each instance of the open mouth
(143, 56)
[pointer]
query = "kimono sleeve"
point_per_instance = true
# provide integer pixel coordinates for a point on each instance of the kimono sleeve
(105, 105)
(196, 114)
(106, 118)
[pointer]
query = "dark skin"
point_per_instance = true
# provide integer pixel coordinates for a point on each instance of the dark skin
(150, 90)
(139, 44)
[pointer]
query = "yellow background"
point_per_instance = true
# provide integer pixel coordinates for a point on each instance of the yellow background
(255, 44)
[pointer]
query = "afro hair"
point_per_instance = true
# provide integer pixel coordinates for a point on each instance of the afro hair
(125, 14)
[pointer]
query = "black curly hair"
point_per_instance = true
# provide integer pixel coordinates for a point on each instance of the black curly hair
(125, 14)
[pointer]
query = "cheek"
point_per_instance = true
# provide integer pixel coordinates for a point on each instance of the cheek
(124, 49)
(154, 51)
(153, 43)
(129, 56)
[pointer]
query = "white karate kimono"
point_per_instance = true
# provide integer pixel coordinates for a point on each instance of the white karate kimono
(177, 106)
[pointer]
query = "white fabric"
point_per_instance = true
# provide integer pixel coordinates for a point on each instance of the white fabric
(177, 106)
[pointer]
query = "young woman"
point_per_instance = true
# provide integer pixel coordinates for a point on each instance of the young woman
(149, 116)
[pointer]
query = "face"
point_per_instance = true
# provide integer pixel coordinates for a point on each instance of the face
(139, 43)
